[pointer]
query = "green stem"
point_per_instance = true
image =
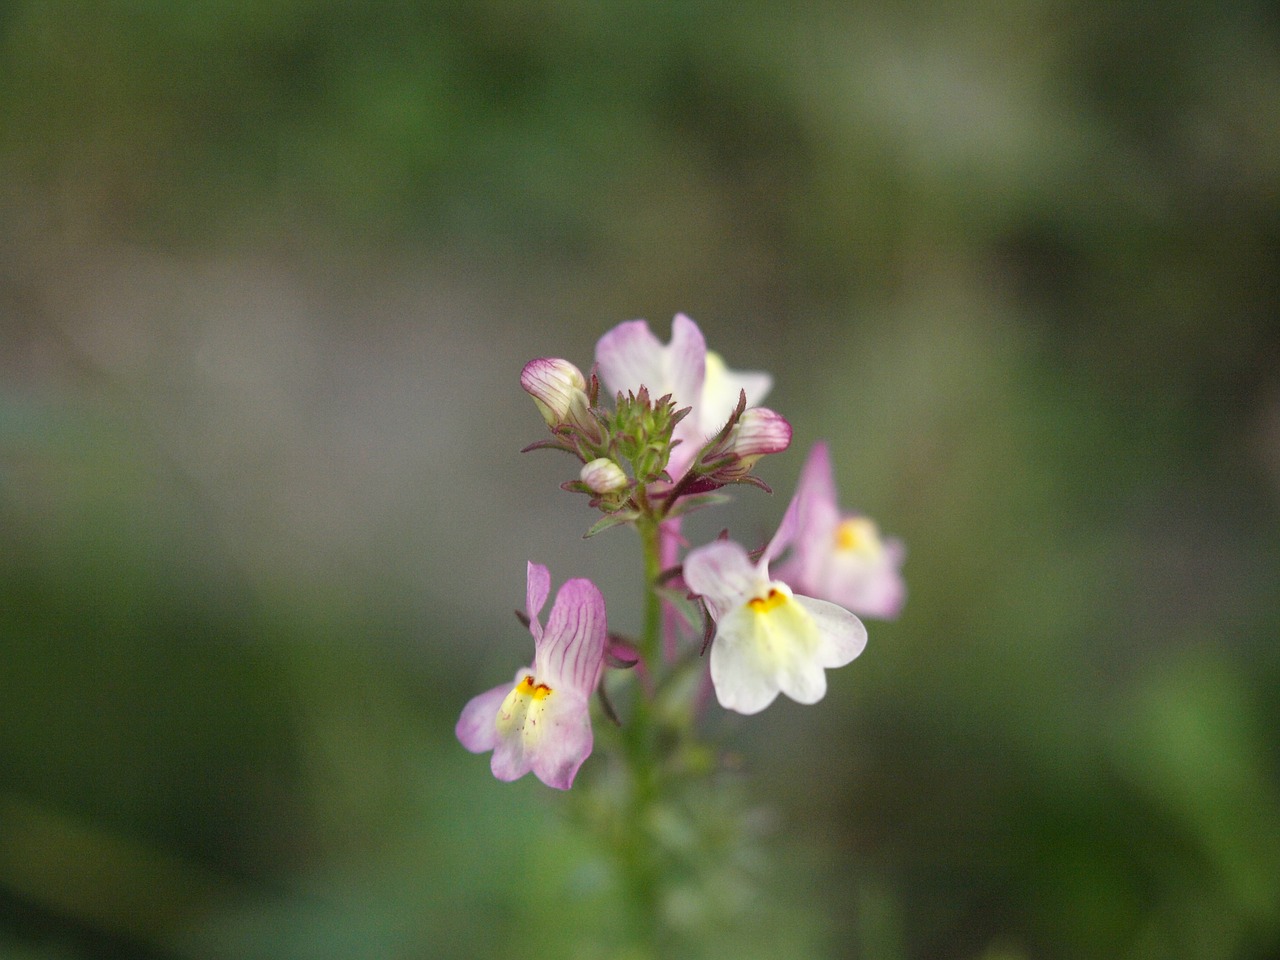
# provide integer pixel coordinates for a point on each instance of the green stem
(642, 753)
(651, 639)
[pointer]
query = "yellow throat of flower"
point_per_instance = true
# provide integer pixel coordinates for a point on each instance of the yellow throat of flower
(780, 628)
(523, 704)
(774, 598)
(858, 535)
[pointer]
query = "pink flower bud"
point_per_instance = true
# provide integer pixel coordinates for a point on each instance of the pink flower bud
(760, 431)
(557, 387)
(603, 476)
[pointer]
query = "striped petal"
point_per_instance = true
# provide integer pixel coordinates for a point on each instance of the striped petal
(537, 586)
(570, 655)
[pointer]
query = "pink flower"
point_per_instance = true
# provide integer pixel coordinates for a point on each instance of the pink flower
(542, 722)
(841, 557)
(768, 639)
(630, 356)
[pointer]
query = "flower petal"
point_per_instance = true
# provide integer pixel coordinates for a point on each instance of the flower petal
(685, 369)
(722, 574)
(801, 679)
(721, 388)
(808, 523)
(685, 366)
(816, 515)
(476, 729)
(817, 486)
(742, 670)
(630, 356)
(570, 655)
(841, 635)
(561, 740)
(888, 594)
(871, 588)
(537, 586)
(510, 761)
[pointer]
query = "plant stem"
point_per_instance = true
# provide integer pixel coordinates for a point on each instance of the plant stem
(642, 754)
(651, 639)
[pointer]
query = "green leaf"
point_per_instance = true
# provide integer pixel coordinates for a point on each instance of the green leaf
(612, 520)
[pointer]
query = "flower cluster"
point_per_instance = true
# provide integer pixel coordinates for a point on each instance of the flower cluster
(680, 423)
(675, 426)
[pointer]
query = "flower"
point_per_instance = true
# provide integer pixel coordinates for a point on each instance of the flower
(542, 722)
(630, 356)
(768, 639)
(841, 557)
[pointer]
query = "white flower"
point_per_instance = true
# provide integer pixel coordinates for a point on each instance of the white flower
(768, 639)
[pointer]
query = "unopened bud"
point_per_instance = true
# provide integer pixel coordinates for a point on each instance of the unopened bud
(603, 476)
(730, 456)
(760, 431)
(558, 388)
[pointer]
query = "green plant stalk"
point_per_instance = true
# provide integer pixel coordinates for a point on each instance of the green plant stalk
(639, 860)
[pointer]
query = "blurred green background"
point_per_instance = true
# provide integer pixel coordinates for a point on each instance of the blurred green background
(268, 274)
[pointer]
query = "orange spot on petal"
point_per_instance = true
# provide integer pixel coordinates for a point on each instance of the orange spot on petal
(764, 604)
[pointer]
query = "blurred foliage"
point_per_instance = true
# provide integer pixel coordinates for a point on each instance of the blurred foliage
(1019, 261)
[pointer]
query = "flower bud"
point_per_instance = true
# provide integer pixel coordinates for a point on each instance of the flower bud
(729, 456)
(558, 388)
(760, 431)
(603, 476)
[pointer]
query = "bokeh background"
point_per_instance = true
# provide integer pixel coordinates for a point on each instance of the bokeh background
(268, 274)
